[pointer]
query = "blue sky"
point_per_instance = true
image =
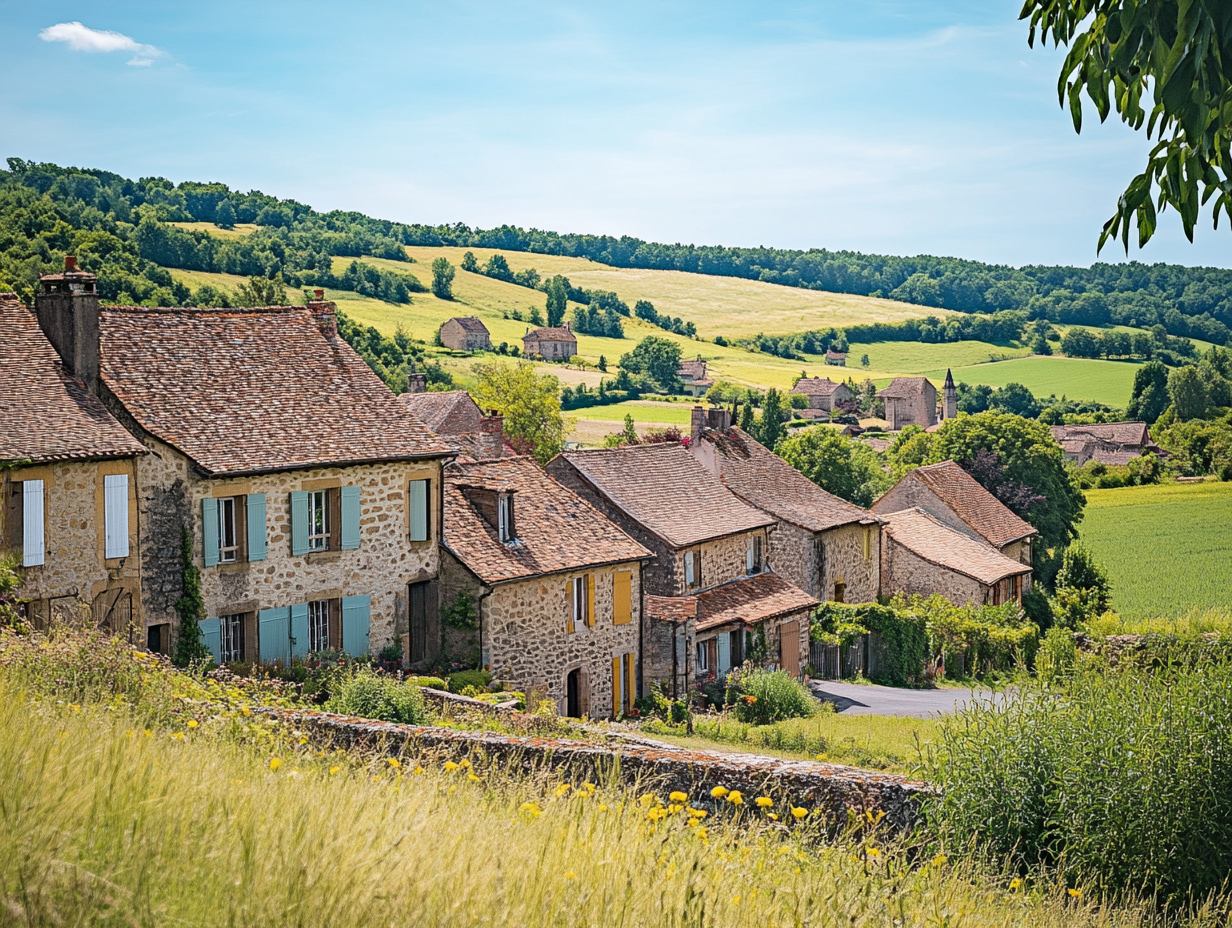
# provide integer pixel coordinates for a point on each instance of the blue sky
(889, 126)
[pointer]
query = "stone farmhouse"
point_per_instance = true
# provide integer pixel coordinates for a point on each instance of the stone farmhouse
(465, 333)
(310, 494)
(551, 344)
(716, 599)
(557, 587)
(826, 546)
(693, 375)
(453, 415)
(69, 479)
(823, 395)
(1113, 443)
(909, 401)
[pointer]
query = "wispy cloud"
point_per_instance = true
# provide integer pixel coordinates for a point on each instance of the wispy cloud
(84, 39)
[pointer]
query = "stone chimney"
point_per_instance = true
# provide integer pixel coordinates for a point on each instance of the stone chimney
(323, 312)
(949, 406)
(416, 383)
(67, 310)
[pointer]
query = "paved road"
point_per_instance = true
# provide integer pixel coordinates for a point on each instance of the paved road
(853, 699)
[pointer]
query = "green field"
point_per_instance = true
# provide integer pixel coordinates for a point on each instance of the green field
(1109, 382)
(1167, 549)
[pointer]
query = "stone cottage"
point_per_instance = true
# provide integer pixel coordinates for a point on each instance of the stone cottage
(551, 344)
(554, 587)
(827, 546)
(67, 473)
(909, 401)
(710, 561)
(465, 333)
(823, 395)
(453, 415)
(310, 495)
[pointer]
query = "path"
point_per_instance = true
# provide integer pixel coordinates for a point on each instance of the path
(870, 699)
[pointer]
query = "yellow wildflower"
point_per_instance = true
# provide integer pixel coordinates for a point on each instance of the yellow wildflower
(192, 723)
(678, 796)
(765, 802)
(719, 792)
(798, 813)
(275, 763)
(735, 797)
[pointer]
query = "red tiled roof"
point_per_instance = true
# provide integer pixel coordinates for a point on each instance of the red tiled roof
(559, 334)
(670, 608)
(904, 388)
(763, 479)
(986, 514)
(816, 386)
(939, 544)
(470, 324)
(664, 488)
(750, 600)
(556, 529)
(254, 390)
(1121, 433)
(46, 414)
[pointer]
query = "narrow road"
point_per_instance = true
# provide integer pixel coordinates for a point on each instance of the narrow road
(870, 699)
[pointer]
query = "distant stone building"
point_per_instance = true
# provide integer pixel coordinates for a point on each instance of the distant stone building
(1113, 443)
(551, 344)
(909, 401)
(693, 375)
(454, 415)
(465, 333)
(823, 395)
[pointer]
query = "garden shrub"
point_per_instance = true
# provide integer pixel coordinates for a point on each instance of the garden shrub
(373, 696)
(765, 696)
(479, 679)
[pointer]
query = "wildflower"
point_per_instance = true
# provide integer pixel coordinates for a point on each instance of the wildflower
(333, 770)
(765, 802)
(450, 766)
(735, 797)
(393, 762)
(1074, 893)
(192, 723)
(1015, 883)
(561, 790)
(678, 796)
(275, 763)
(798, 813)
(530, 808)
(719, 792)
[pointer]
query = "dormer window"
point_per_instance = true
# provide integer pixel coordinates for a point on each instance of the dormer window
(504, 518)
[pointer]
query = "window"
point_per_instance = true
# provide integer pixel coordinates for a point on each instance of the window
(228, 532)
(417, 613)
(692, 570)
(115, 515)
(581, 602)
(318, 625)
(419, 520)
(840, 591)
(318, 520)
(504, 517)
(231, 631)
(753, 555)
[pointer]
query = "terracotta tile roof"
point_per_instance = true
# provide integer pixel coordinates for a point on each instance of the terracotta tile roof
(904, 388)
(450, 413)
(254, 390)
(1120, 433)
(470, 324)
(559, 334)
(986, 514)
(750, 600)
(695, 369)
(939, 544)
(670, 608)
(48, 415)
(762, 478)
(663, 487)
(815, 386)
(556, 529)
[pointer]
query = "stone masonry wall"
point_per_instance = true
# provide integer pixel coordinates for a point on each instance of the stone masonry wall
(905, 572)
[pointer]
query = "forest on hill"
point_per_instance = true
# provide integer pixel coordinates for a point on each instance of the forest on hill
(120, 229)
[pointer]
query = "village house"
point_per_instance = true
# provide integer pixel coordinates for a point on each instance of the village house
(823, 395)
(909, 401)
(712, 598)
(827, 546)
(554, 588)
(1112, 443)
(67, 474)
(465, 333)
(453, 415)
(551, 344)
(693, 375)
(308, 492)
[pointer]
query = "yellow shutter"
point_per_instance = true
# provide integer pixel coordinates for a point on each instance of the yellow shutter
(570, 604)
(622, 597)
(590, 600)
(628, 682)
(615, 686)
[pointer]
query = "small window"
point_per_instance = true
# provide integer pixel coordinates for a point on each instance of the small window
(228, 531)
(318, 625)
(753, 555)
(504, 517)
(318, 520)
(231, 635)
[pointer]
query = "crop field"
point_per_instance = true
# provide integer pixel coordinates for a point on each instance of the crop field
(1108, 382)
(1167, 549)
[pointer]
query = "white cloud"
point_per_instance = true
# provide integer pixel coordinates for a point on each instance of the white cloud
(84, 39)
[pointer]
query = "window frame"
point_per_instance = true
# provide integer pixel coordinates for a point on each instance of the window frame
(319, 541)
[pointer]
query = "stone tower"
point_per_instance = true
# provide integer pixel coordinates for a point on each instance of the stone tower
(949, 403)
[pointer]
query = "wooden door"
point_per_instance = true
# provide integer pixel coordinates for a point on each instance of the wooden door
(789, 647)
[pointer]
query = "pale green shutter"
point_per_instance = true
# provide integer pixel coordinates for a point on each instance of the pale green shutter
(350, 518)
(419, 510)
(256, 526)
(299, 522)
(356, 619)
(299, 630)
(274, 634)
(211, 633)
(209, 531)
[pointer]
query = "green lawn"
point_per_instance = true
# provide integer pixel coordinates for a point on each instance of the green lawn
(1167, 549)
(1109, 382)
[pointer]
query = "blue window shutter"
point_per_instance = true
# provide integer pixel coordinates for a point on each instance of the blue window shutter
(256, 526)
(299, 522)
(299, 630)
(211, 632)
(209, 531)
(419, 510)
(356, 619)
(274, 635)
(350, 518)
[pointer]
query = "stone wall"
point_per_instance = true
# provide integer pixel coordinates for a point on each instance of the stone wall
(902, 571)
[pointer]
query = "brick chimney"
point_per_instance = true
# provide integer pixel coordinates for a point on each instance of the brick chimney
(67, 310)
(416, 383)
(323, 312)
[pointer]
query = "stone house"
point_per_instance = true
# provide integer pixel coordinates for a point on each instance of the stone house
(823, 395)
(1113, 443)
(909, 401)
(717, 599)
(453, 415)
(959, 501)
(465, 333)
(68, 478)
(310, 494)
(555, 585)
(551, 344)
(826, 546)
(693, 375)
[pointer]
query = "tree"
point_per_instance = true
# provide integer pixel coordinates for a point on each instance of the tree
(1188, 392)
(659, 359)
(770, 430)
(1150, 394)
(224, 215)
(1181, 54)
(442, 279)
(529, 402)
(558, 300)
(1082, 588)
(833, 462)
(261, 291)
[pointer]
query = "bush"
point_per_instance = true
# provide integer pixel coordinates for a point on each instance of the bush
(1122, 780)
(371, 696)
(765, 696)
(479, 679)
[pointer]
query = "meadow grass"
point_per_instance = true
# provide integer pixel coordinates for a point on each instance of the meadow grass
(1167, 548)
(1109, 382)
